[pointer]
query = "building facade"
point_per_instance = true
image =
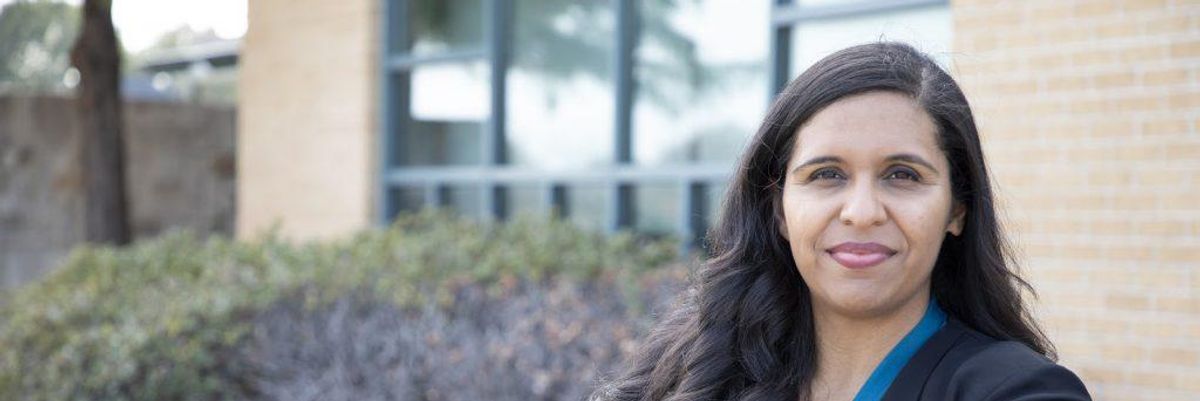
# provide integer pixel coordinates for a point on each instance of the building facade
(629, 114)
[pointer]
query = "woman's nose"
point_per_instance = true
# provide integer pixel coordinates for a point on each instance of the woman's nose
(862, 206)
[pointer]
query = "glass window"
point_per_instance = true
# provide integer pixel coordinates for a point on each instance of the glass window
(656, 209)
(586, 206)
(405, 200)
(441, 25)
(560, 95)
(928, 29)
(445, 121)
(464, 199)
(701, 71)
(714, 196)
(825, 3)
(701, 80)
(526, 199)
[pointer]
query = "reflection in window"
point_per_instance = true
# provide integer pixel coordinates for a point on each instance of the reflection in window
(657, 208)
(448, 105)
(701, 76)
(465, 200)
(824, 3)
(526, 200)
(927, 28)
(560, 96)
(585, 206)
(404, 200)
(714, 197)
(442, 25)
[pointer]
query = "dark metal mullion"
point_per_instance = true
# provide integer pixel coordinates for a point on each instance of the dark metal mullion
(627, 28)
(498, 20)
(781, 51)
(626, 37)
(394, 16)
(395, 135)
(688, 207)
(700, 220)
(624, 207)
(781, 38)
(559, 201)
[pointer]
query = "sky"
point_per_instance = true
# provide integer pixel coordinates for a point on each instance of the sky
(140, 22)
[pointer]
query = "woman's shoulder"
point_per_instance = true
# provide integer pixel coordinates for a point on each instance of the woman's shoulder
(990, 369)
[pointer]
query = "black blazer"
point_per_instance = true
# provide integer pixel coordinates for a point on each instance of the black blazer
(959, 363)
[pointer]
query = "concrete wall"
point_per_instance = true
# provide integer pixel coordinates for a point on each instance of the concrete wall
(1090, 112)
(307, 96)
(40, 186)
(180, 172)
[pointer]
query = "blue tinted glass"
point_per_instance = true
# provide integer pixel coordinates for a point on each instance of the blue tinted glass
(560, 91)
(702, 80)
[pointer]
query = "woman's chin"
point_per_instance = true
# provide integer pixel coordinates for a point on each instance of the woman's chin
(861, 304)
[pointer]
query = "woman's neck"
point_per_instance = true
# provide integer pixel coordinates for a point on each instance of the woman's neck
(849, 348)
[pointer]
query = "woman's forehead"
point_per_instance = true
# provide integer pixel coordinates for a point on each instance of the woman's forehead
(873, 123)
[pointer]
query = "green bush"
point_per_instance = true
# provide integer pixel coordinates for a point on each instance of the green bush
(170, 318)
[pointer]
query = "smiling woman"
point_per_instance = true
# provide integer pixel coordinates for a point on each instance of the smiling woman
(857, 256)
(865, 209)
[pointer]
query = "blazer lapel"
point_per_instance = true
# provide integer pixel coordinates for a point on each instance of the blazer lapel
(910, 382)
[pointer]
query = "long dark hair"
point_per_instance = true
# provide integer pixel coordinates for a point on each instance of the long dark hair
(744, 330)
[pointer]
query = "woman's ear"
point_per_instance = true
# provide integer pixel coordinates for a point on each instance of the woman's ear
(958, 218)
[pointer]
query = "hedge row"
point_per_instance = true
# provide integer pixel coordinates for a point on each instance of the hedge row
(433, 308)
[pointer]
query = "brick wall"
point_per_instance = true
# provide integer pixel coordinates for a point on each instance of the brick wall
(307, 97)
(1090, 113)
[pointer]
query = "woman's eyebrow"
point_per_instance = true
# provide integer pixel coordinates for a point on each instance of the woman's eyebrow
(817, 160)
(911, 158)
(903, 157)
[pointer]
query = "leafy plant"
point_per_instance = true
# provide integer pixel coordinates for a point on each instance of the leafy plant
(181, 317)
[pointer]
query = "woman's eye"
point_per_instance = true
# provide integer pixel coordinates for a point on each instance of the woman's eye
(825, 174)
(904, 175)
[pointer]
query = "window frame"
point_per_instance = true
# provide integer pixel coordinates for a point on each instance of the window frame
(494, 175)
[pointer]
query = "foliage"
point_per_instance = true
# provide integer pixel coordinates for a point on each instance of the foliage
(35, 42)
(186, 318)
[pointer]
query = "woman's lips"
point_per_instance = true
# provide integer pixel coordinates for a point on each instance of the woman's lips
(857, 255)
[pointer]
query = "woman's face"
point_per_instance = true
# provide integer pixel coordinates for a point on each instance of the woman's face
(866, 204)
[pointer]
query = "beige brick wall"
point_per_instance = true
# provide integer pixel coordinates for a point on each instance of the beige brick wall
(307, 105)
(1090, 113)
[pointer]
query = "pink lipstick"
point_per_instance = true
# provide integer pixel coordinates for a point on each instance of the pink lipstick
(858, 255)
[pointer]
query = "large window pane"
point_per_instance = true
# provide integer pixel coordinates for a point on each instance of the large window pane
(526, 199)
(404, 200)
(823, 3)
(657, 208)
(462, 199)
(586, 206)
(702, 80)
(560, 96)
(444, 124)
(442, 25)
(714, 197)
(929, 29)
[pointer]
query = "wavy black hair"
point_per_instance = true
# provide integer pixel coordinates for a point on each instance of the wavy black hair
(744, 329)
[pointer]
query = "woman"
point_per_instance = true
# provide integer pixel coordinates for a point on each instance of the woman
(857, 256)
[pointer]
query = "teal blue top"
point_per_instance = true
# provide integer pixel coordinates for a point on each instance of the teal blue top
(895, 360)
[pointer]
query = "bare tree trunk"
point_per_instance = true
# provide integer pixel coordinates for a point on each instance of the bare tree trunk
(102, 152)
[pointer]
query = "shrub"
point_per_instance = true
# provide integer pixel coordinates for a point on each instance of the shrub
(434, 307)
